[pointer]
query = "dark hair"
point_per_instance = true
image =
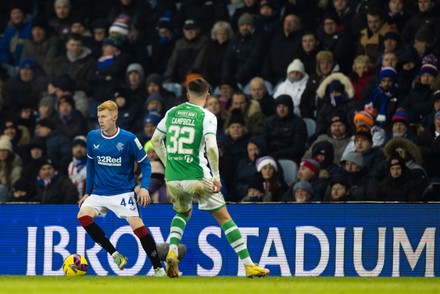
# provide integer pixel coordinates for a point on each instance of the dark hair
(74, 37)
(198, 86)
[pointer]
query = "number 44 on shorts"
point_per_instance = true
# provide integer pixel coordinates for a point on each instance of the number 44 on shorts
(130, 201)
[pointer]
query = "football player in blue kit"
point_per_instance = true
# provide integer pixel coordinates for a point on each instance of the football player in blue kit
(110, 183)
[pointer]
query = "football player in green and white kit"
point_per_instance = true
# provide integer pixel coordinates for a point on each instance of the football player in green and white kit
(189, 129)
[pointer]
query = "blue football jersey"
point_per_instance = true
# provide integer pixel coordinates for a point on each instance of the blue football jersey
(113, 160)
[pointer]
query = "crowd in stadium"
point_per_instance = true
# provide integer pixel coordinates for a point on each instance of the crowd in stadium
(316, 100)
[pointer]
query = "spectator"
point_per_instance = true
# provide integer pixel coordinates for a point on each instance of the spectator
(307, 52)
(302, 193)
(58, 144)
(335, 38)
(363, 143)
(282, 49)
(370, 37)
(243, 58)
(310, 171)
(20, 191)
(429, 143)
(428, 121)
(398, 184)
(51, 187)
(417, 103)
(256, 192)
(69, 120)
(64, 85)
(272, 181)
(109, 70)
(400, 126)
(186, 52)
(46, 107)
(259, 93)
(334, 94)
(339, 190)
(24, 90)
(338, 135)
(396, 14)
(18, 134)
(285, 133)
(32, 160)
(206, 13)
(391, 42)
(213, 105)
(251, 111)
(246, 170)
(154, 84)
(325, 65)
(127, 112)
(151, 121)
(294, 85)
(227, 87)
(42, 46)
(77, 169)
(324, 153)
(426, 14)
(362, 184)
(99, 29)
(133, 13)
(236, 136)
(10, 168)
(366, 119)
(345, 12)
(11, 44)
(76, 62)
(362, 72)
(268, 18)
(135, 85)
(210, 60)
(385, 97)
(162, 46)
(60, 23)
(410, 154)
(249, 6)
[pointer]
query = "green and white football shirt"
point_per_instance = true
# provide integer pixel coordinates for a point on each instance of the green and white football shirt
(185, 126)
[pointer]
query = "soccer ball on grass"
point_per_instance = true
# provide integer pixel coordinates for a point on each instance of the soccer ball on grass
(75, 265)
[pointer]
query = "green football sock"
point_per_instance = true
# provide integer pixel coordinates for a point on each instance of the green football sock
(178, 225)
(234, 238)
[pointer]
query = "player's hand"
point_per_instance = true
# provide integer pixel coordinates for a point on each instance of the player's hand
(80, 202)
(143, 197)
(216, 186)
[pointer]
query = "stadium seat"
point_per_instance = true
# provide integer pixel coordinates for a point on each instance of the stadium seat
(311, 126)
(176, 88)
(290, 169)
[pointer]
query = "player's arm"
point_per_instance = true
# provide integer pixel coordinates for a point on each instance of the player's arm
(143, 194)
(159, 146)
(213, 158)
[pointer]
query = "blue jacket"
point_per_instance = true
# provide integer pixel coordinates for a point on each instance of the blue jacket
(11, 45)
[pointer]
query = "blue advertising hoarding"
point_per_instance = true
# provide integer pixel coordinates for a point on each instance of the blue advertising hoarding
(366, 240)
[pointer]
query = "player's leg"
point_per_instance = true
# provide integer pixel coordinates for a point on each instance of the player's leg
(147, 242)
(182, 204)
(233, 235)
(86, 217)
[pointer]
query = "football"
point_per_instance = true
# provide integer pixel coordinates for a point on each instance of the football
(75, 265)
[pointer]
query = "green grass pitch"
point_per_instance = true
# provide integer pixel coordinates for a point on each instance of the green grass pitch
(212, 285)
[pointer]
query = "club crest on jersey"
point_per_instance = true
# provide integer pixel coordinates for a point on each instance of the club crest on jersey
(96, 146)
(120, 146)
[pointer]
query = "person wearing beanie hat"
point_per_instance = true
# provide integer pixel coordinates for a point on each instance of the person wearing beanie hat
(5, 144)
(399, 184)
(363, 117)
(312, 165)
(294, 85)
(364, 133)
(400, 126)
(185, 164)
(302, 192)
(165, 23)
(256, 191)
(266, 160)
(150, 122)
(246, 19)
(118, 29)
(113, 41)
(339, 189)
(400, 116)
(155, 102)
(190, 24)
(428, 69)
(68, 119)
(352, 158)
(384, 98)
(425, 34)
(77, 170)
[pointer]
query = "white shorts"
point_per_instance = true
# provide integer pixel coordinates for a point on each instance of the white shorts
(123, 205)
(183, 193)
